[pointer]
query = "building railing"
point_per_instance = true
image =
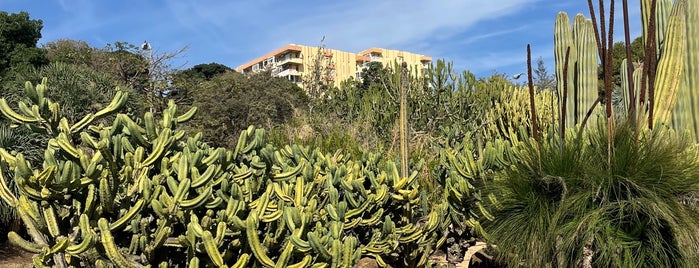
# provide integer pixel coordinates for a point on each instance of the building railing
(286, 72)
(289, 60)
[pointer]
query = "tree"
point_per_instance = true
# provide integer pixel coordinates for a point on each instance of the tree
(192, 77)
(374, 75)
(125, 62)
(619, 54)
(543, 80)
(148, 72)
(18, 37)
(205, 71)
(70, 51)
(320, 75)
(230, 102)
(159, 91)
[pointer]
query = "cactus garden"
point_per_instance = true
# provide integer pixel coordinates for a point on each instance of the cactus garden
(400, 168)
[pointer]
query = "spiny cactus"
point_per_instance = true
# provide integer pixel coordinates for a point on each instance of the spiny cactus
(124, 194)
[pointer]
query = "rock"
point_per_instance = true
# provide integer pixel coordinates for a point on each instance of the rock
(366, 262)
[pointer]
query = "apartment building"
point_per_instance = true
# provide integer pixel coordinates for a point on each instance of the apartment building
(294, 61)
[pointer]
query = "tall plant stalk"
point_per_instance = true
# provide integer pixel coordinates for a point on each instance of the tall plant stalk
(563, 104)
(403, 118)
(629, 64)
(535, 125)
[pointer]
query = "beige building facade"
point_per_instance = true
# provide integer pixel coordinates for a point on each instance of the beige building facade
(294, 61)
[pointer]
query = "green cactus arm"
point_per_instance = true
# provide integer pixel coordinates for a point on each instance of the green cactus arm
(111, 248)
(692, 70)
(670, 67)
(5, 193)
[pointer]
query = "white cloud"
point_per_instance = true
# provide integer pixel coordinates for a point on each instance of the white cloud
(368, 23)
(475, 38)
(501, 61)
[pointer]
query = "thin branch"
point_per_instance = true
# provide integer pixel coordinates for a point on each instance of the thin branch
(629, 64)
(607, 69)
(589, 113)
(603, 29)
(608, 85)
(591, 7)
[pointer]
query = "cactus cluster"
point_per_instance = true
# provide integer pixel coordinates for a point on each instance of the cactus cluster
(140, 192)
(510, 112)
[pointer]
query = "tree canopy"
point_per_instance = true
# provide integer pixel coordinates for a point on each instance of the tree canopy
(18, 37)
(205, 71)
(230, 102)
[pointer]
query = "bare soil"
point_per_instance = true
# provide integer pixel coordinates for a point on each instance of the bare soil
(13, 257)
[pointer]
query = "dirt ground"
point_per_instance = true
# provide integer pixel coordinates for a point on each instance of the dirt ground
(13, 257)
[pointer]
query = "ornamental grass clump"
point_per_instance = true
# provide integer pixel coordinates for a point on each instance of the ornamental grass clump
(566, 205)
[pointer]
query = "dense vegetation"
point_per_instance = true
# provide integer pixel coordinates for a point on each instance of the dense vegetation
(113, 158)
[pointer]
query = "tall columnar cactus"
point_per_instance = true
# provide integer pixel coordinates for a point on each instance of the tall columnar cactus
(671, 65)
(671, 102)
(563, 40)
(675, 51)
(625, 84)
(686, 113)
(586, 83)
(691, 76)
(582, 64)
(662, 16)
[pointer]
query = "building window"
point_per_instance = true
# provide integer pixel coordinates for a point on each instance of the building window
(268, 62)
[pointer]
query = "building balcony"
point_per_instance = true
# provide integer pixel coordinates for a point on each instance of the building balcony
(288, 72)
(289, 60)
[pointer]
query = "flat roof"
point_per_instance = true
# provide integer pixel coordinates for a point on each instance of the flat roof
(362, 58)
(289, 47)
(373, 49)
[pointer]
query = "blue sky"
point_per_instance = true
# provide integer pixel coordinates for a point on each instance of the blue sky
(482, 36)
